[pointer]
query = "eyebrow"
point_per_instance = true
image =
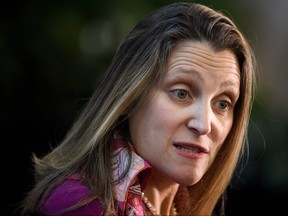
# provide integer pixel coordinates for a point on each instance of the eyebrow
(230, 83)
(193, 74)
(233, 87)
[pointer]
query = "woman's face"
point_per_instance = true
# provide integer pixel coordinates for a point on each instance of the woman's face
(182, 124)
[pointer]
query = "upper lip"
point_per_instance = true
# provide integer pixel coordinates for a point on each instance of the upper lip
(201, 148)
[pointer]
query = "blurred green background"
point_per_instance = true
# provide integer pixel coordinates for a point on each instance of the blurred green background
(53, 52)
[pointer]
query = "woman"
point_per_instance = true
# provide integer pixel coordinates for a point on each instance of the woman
(166, 127)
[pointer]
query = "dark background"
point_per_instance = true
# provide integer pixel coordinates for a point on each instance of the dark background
(52, 53)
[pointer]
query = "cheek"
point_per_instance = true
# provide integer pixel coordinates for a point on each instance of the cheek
(224, 131)
(142, 124)
(152, 123)
(164, 119)
(157, 120)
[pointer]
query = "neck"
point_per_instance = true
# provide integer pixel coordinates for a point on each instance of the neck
(161, 192)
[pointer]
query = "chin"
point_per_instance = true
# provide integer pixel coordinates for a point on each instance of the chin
(188, 181)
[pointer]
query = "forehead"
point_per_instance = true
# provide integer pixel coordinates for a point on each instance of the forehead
(195, 51)
(200, 56)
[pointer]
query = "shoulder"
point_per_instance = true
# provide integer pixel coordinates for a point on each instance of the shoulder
(69, 193)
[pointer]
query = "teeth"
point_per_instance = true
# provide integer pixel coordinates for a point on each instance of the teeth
(189, 149)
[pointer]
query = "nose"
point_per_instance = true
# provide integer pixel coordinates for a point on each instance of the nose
(200, 118)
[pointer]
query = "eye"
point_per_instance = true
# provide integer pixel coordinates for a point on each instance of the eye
(223, 105)
(181, 94)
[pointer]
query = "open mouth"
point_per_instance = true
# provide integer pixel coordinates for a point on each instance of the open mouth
(188, 149)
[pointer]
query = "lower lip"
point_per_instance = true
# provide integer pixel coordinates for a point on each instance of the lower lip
(191, 155)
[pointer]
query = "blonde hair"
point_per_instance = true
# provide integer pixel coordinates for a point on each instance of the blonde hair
(136, 67)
